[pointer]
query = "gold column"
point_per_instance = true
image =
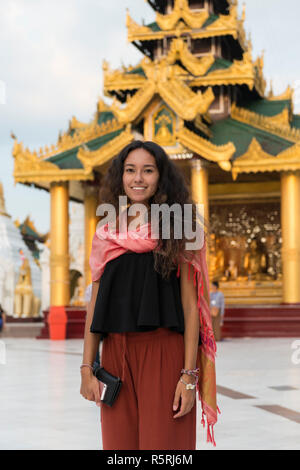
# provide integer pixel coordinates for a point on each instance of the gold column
(290, 225)
(59, 245)
(199, 188)
(199, 185)
(90, 223)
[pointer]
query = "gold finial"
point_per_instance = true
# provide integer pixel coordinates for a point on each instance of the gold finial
(271, 94)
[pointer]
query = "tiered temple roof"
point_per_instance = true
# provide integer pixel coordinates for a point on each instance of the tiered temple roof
(197, 92)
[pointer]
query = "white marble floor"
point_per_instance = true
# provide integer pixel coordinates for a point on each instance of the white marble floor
(41, 407)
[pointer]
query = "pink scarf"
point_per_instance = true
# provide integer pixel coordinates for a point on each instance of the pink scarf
(108, 245)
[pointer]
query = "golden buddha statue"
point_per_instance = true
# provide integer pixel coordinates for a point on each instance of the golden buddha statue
(216, 259)
(26, 304)
(255, 262)
(231, 272)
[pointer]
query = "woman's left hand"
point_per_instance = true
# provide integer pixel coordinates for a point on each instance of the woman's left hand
(187, 397)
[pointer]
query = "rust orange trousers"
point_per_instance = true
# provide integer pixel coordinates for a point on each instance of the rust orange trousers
(142, 415)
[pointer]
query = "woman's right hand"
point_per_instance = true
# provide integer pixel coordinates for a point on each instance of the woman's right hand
(91, 388)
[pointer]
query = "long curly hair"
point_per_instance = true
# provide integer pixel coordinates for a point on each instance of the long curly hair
(171, 189)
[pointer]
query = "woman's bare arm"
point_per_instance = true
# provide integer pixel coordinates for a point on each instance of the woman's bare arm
(91, 340)
(191, 339)
(90, 387)
(191, 317)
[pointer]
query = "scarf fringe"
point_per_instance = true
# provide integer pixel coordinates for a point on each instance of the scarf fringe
(210, 437)
(208, 346)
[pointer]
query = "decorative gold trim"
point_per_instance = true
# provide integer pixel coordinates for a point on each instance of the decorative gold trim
(28, 168)
(179, 50)
(276, 125)
(100, 156)
(174, 92)
(225, 25)
(135, 104)
(286, 95)
(221, 154)
(83, 133)
(183, 100)
(118, 79)
(182, 10)
(239, 73)
(257, 160)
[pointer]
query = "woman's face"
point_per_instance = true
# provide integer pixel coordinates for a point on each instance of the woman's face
(140, 176)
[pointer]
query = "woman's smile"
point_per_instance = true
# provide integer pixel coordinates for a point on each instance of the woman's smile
(140, 176)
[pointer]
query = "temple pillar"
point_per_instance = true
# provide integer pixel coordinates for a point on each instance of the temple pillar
(199, 189)
(290, 225)
(90, 223)
(59, 260)
(199, 185)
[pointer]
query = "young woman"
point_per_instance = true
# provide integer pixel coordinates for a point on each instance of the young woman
(149, 307)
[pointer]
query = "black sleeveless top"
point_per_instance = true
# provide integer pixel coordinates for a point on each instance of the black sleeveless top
(132, 296)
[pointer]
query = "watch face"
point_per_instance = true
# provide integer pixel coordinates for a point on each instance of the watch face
(190, 386)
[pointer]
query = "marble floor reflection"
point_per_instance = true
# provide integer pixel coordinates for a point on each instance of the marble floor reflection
(41, 407)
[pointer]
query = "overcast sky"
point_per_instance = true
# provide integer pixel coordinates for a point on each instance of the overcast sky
(51, 69)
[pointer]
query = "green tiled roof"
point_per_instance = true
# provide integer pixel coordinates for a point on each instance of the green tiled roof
(219, 64)
(68, 159)
(137, 71)
(105, 116)
(154, 26)
(266, 107)
(230, 130)
(296, 121)
(210, 20)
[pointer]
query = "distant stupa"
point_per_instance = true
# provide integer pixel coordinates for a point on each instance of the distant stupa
(13, 251)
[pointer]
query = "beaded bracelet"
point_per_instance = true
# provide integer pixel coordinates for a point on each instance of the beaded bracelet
(193, 372)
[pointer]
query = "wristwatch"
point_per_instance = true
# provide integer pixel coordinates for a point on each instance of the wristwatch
(187, 385)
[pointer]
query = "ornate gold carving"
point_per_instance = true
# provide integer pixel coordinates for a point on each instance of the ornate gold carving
(98, 157)
(257, 160)
(28, 168)
(220, 154)
(175, 93)
(81, 135)
(164, 119)
(135, 104)
(286, 95)
(239, 73)
(118, 79)
(179, 50)
(182, 10)
(192, 25)
(225, 21)
(277, 125)
(183, 100)
(135, 30)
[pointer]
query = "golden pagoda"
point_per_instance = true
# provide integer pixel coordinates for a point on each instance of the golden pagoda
(199, 93)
